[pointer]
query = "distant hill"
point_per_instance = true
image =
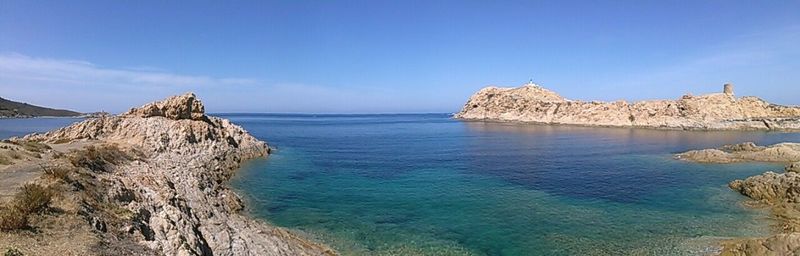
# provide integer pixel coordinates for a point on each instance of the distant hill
(17, 109)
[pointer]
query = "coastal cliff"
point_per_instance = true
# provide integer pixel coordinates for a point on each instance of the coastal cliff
(778, 191)
(719, 111)
(153, 181)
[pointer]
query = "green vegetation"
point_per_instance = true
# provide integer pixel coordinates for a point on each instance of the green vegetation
(4, 160)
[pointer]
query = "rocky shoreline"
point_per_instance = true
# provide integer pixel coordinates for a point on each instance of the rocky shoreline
(778, 191)
(719, 111)
(153, 181)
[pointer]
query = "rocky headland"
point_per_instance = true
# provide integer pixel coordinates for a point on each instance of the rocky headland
(719, 111)
(12, 109)
(779, 191)
(151, 181)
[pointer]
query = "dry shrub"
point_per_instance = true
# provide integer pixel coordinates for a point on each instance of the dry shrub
(58, 172)
(13, 252)
(98, 158)
(58, 155)
(14, 155)
(62, 141)
(34, 146)
(33, 198)
(12, 219)
(4, 160)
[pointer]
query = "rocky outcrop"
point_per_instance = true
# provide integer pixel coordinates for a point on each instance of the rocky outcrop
(778, 191)
(719, 111)
(176, 187)
(745, 152)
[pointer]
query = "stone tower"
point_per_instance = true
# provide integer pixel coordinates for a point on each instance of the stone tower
(728, 89)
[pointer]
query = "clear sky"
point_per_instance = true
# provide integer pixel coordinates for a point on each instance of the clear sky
(390, 56)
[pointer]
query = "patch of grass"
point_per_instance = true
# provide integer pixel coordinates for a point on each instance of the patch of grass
(98, 158)
(12, 219)
(33, 198)
(4, 160)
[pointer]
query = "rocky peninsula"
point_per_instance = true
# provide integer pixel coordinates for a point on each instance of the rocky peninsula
(12, 109)
(532, 103)
(151, 181)
(779, 191)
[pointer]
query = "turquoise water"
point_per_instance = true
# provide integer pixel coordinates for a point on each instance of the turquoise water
(430, 185)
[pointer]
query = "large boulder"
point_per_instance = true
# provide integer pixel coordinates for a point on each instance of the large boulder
(185, 106)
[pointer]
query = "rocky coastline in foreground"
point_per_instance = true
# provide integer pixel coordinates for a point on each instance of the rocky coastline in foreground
(778, 191)
(532, 103)
(152, 181)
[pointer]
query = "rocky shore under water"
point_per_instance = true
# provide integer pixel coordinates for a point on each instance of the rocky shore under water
(778, 191)
(152, 181)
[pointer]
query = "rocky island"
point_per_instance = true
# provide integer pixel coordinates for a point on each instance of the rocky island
(719, 111)
(151, 181)
(778, 191)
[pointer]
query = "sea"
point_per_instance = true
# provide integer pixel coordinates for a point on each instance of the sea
(427, 184)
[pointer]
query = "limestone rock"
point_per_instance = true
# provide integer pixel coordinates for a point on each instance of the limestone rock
(792, 167)
(177, 188)
(745, 152)
(185, 106)
(770, 187)
(718, 111)
(777, 245)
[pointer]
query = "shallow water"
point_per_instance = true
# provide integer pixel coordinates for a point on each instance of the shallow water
(430, 185)
(427, 184)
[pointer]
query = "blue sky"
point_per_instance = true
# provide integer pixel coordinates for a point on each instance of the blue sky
(390, 56)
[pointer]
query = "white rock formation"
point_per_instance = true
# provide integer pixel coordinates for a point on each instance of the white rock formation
(718, 111)
(177, 190)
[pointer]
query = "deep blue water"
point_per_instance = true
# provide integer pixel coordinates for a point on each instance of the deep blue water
(430, 185)
(10, 127)
(427, 184)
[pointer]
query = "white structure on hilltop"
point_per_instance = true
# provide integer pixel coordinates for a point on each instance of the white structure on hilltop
(530, 83)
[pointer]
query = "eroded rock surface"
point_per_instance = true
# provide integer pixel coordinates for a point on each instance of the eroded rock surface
(718, 111)
(185, 106)
(745, 152)
(778, 191)
(175, 187)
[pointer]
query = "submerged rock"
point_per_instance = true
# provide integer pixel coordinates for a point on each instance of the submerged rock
(718, 111)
